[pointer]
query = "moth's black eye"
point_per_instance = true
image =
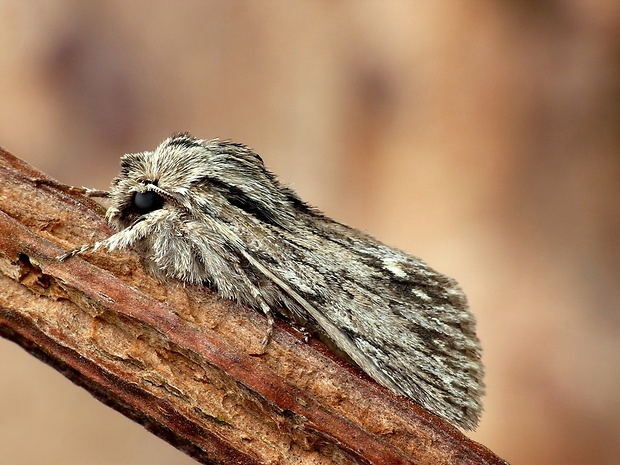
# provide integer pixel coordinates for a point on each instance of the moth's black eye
(145, 202)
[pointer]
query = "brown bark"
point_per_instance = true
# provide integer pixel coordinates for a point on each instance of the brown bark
(180, 361)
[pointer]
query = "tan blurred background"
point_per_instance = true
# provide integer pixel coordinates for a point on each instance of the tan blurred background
(482, 136)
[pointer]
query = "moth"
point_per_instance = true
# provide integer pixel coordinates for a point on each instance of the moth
(209, 213)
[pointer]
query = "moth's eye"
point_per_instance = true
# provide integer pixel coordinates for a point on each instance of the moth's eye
(145, 202)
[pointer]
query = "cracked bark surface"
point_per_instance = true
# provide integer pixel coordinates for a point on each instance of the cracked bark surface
(180, 361)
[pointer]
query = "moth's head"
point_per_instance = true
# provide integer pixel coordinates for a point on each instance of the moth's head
(185, 174)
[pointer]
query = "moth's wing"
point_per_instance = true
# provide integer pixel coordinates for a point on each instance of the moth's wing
(403, 323)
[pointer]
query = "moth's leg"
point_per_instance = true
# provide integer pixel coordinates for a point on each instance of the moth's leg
(71, 253)
(268, 313)
(299, 327)
(108, 243)
(87, 191)
(120, 240)
(270, 323)
(304, 332)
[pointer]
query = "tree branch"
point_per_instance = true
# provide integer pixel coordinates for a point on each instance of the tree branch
(179, 361)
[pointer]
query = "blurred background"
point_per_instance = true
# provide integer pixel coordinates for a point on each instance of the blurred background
(482, 136)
